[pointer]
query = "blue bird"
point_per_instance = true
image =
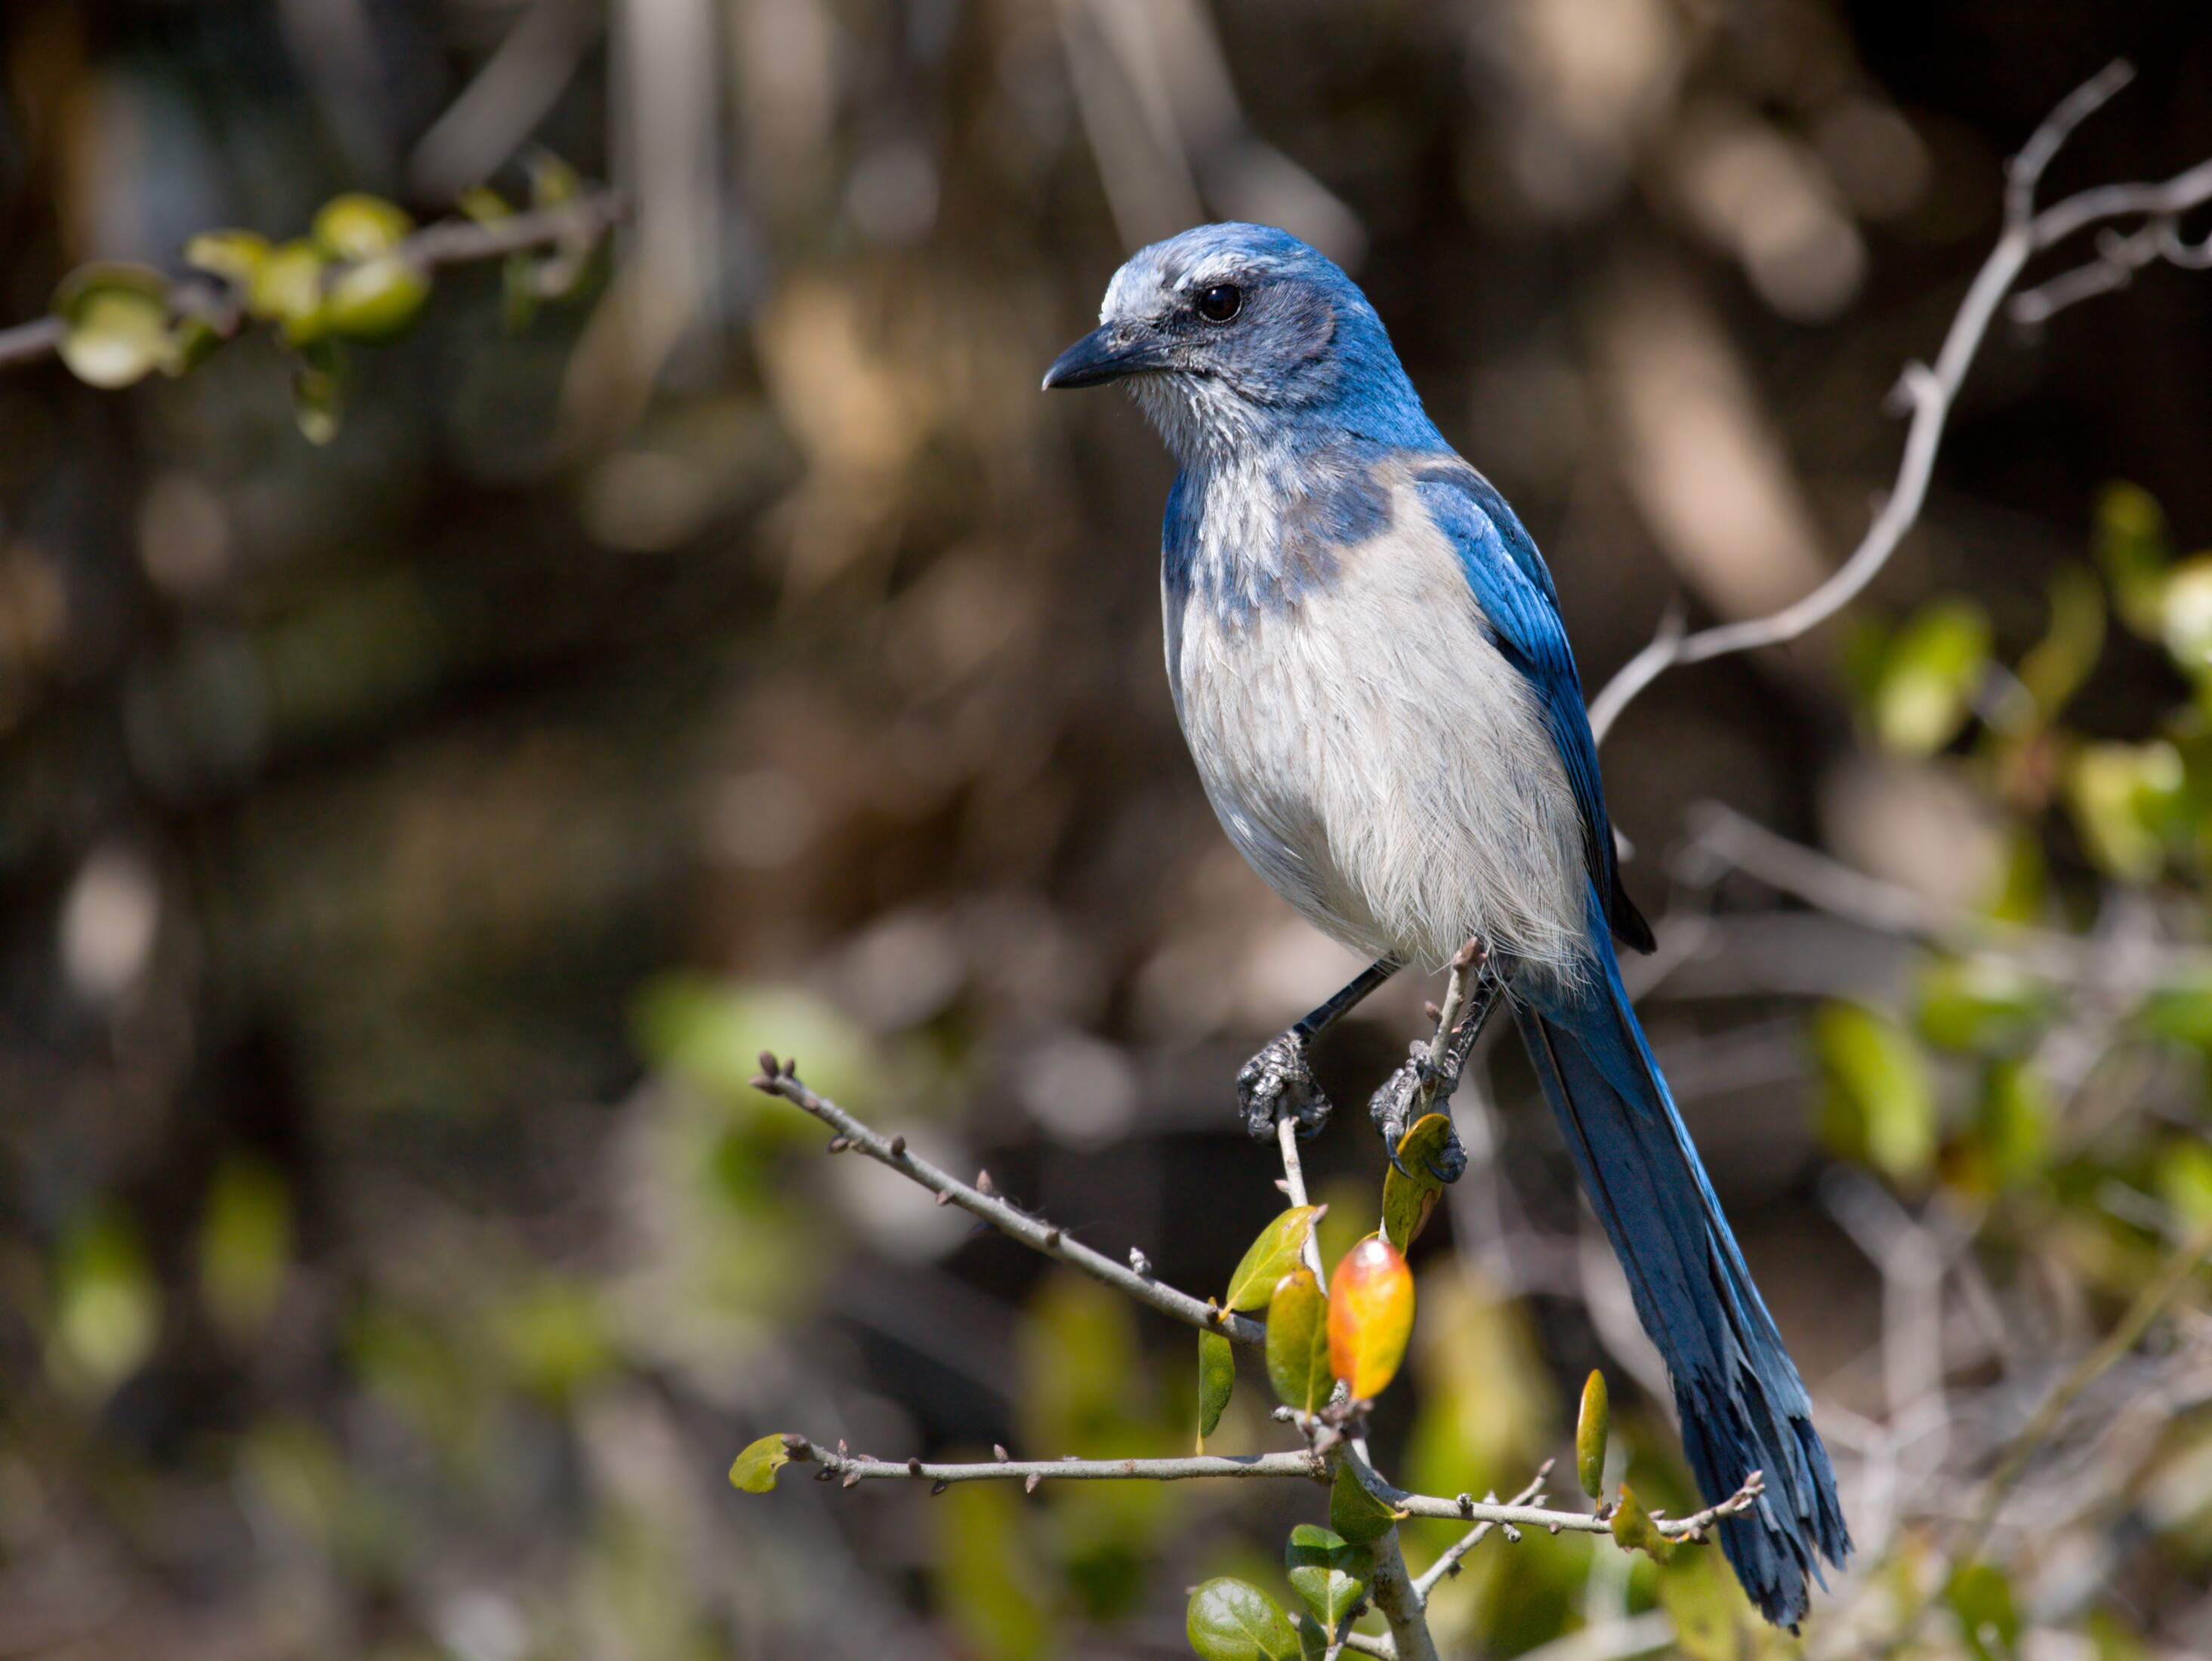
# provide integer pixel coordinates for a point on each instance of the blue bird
(1366, 655)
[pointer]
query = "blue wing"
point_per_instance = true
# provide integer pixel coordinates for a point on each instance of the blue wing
(1515, 590)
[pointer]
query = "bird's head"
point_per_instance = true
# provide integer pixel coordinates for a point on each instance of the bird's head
(1231, 335)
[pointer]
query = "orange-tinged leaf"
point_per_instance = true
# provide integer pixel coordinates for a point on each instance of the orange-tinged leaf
(1271, 1257)
(1371, 1315)
(1298, 1343)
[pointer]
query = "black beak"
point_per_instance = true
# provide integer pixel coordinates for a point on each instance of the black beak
(1103, 354)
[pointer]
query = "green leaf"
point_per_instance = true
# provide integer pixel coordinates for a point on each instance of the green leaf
(1634, 1529)
(318, 389)
(484, 205)
(377, 299)
(2128, 802)
(106, 1310)
(1989, 1621)
(754, 1470)
(1328, 1571)
(1880, 1104)
(1298, 1343)
(1355, 1513)
(245, 1244)
(2181, 1013)
(1270, 1257)
(2183, 1176)
(236, 257)
(1712, 1617)
(2054, 668)
(2013, 1122)
(358, 226)
(1592, 1425)
(115, 324)
(1217, 1377)
(1409, 1201)
(286, 289)
(2186, 616)
(1980, 1005)
(1930, 674)
(2132, 550)
(1231, 1620)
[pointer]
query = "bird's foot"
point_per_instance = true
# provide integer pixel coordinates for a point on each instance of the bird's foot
(1399, 1105)
(1278, 1083)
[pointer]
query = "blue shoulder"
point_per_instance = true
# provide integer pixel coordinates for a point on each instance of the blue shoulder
(1514, 588)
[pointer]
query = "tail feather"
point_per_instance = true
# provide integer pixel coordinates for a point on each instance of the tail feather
(1743, 1407)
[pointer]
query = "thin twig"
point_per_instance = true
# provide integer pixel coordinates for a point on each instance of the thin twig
(1531, 1496)
(1691, 1527)
(569, 225)
(1927, 393)
(862, 1468)
(1294, 1186)
(1033, 1232)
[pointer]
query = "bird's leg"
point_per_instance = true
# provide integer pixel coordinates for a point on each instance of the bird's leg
(1279, 1080)
(1432, 1072)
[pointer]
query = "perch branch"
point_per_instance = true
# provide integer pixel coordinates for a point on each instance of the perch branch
(578, 223)
(1928, 394)
(777, 1080)
(854, 1468)
(1518, 1516)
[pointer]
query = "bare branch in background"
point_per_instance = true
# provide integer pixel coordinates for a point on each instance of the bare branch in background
(777, 1080)
(860, 1467)
(1927, 393)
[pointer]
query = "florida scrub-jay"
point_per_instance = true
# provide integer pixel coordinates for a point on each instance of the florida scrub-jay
(1365, 653)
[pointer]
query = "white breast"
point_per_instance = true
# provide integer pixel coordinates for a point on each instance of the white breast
(1379, 762)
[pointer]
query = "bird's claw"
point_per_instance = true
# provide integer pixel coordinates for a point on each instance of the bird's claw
(1278, 1083)
(1392, 1108)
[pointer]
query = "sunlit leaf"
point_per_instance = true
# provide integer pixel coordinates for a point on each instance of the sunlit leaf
(2183, 1175)
(754, 1470)
(1929, 675)
(484, 205)
(2182, 1013)
(2054, 668)
(234, 255)
(358, 226)
(1270, 1257)
(1328, 1571)
(245, 1244)
(106, 1309)
(286, 289)
(2186, 615)
(1409, 1200)
(2128, 802)
(1593, 1424)
(1231, 1620)
(1371, 1317)
(377, 299)
(1355, 1514)
(1989, 1620)
(1634, 1529)
(1298, 1343)
(1217, 1377)
(1880, 1099)
(2132, 550)
(115, 324)
(1983, 1005)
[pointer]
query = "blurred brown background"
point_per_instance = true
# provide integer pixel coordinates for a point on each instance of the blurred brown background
(407, 842)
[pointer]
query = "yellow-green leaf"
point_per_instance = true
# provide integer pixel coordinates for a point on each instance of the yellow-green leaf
(1271, 1257)
(754, 1471)
(377, 299)
(2185, 615)
(2128, 801)
(115, 324)
(358, 226)
(1989, 1620)
(1880, 1104)
(1371, 1317)
(245, 1243)
(1930, 674)
(234, 255)
(2054, 668)
(1409, 1200)
(1635, 1530)
(1298, 1343)
(106, 1311)
(1217, 1377)
(484, 205)
(1231, 1620)
(1328, 1571)
(317, 384)
(2132, 550)
(1592, 1426)
(286, 289)
(1981, 1005)
(2013, 1122)
(1355, 1513)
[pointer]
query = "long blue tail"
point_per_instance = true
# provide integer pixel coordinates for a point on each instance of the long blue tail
(1743, 1407)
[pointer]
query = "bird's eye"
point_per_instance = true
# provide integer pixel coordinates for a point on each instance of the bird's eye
(1221, 302)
